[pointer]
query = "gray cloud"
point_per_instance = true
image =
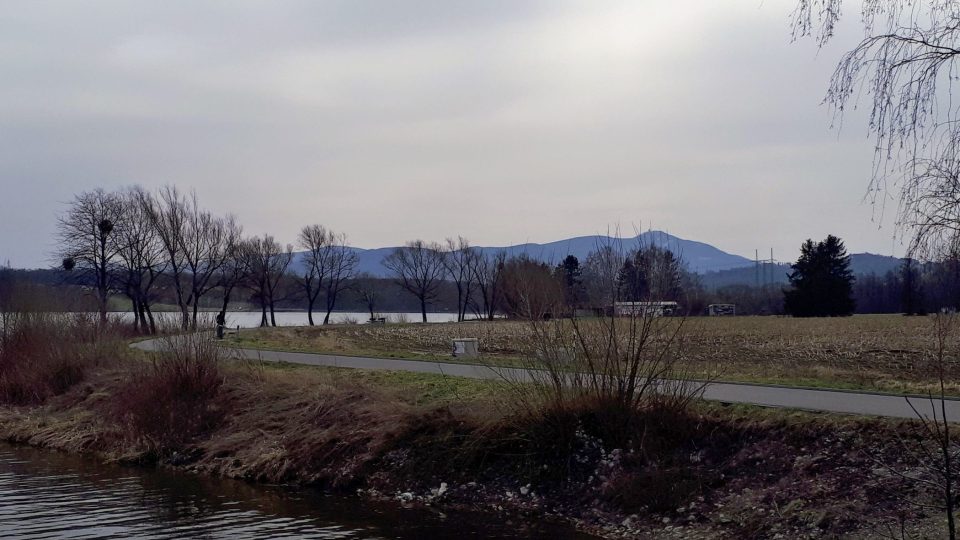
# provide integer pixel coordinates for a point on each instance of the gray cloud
(502, 121)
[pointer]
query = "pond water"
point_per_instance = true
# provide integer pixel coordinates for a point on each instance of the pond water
(251, 319)
(45, 494)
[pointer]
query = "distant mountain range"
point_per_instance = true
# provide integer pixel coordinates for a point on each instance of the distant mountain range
(716, 266)
(699, 257)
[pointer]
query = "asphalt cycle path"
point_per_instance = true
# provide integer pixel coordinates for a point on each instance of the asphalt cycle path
(810, 399)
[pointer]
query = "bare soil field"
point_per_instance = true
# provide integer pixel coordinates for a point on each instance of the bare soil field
(887, 353)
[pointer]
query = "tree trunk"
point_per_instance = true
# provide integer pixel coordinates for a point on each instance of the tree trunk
(142, 315)
(310, 310)
(136, 314)
(263, 315)
(423, 309)
(226, 302)
(184, 315)
(103, 306)
(273, 315)
(153, 323)
(459, 303)
(193, 324)
(331, 303)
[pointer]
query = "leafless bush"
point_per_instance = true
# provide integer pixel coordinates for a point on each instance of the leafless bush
(172, 398)
(43, 354)
(619, 366)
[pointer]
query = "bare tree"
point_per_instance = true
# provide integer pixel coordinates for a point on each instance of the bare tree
(196, 245)
(601, 273)
(419, 268)
(343, 265)
(487, 272)
(369, 291)
(460, 261)
(169, 212)
(530, 290)
(314, 239)
(206, 248)
(141, 256)
(233, 270)
(329, 265)
(906, 63)
(267, 262)
(85, 240)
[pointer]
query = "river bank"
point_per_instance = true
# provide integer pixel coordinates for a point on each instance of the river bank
(427, 440)
(46, 494)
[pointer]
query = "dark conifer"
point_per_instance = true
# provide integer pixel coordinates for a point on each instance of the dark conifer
(821, 281)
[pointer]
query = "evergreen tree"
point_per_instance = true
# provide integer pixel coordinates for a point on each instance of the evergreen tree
(821, 281)
(912, 301)
(631, 282)
(571, 278)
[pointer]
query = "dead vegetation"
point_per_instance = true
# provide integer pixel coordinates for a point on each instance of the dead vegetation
(45, 354)
(874, 352)
(620, 468)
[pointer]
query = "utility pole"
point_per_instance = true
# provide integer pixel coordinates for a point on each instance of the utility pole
(756, 268)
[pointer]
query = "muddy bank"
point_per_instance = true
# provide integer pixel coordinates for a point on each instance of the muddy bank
(713, 473)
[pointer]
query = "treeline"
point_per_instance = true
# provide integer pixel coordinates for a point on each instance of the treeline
(914, 288)
(163, 246)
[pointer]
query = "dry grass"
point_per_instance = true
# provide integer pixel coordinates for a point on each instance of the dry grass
(347, 429)
(172, 398)
(877, 352)
(874, 352)
(43, 354)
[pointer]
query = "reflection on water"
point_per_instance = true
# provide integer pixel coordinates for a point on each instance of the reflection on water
(45, 494)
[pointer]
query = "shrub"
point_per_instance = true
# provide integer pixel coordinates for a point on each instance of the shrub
(172, 398)
(44, 354)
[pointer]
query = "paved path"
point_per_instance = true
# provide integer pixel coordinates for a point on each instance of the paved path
(836, 401)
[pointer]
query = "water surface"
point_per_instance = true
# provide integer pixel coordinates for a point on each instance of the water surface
(44, 494)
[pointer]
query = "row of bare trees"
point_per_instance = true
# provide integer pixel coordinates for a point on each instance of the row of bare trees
(164, 244)
(142, 244)
(421, 268)
(487, 283)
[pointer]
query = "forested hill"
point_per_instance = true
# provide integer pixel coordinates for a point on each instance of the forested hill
(862, 264)
(698, 256)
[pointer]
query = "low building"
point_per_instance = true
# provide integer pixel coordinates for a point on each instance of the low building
(721, 310)
(645, 309)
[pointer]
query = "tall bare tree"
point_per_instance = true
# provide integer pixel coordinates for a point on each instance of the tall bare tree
(369, 291)
(267, 262)
(459, 262)
(488, 273)
(141, 256)
(169, 213)
(196, 243)
(233, 271)
(206, 248)
(905, 65)
(314, 239)
(85, 240)
(343, 266)
(419, 268)
(329, 264)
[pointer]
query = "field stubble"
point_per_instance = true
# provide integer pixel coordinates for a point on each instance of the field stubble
(889, 353)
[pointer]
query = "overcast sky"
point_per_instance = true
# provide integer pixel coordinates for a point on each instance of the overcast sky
(505, 122)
